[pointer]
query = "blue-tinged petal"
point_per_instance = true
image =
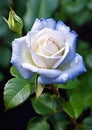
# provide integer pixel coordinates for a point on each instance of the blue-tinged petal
(70, 50)
(71, 39)
(72, 71)
(42, 23)
(62, 27)
(75, 68)
(70, 36)
(20, 54)
(51, 23)
(37, 25)
(61, 79)
(51, 73)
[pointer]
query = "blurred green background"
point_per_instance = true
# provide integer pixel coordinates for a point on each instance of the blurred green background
(75, 13)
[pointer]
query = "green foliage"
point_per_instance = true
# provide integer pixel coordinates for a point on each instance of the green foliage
(38, 9)
(38, 124)
(14, 72)
(46, 104)
(74, 6)
(72, 9)
(77, 104)
(87, 123)
(68, 108)
(16, 91)
(4, 57)
(3, 26)
(89, 60)
(58, 121)
(69, 85)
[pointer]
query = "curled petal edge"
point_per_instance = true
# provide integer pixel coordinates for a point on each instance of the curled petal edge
(68, 74)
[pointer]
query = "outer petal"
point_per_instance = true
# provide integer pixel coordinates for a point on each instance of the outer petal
(50, 73)
(75, 68)
(42, 23)
(62, 27)
(71, 40)
(20, 54)
(70, 36)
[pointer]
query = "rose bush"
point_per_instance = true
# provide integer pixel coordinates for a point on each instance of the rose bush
(49, 49)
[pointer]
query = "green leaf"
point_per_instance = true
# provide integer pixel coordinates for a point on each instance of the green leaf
(88, 100)
(38, 124)
(39, 89)
(46, 104)
(68, 109)
(14, 72)
(16, 91)
(77, 104)
(69, 85)
(88, 123)
(58, 121)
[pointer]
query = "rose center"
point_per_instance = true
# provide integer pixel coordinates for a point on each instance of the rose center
(51, 45)
(47, 47)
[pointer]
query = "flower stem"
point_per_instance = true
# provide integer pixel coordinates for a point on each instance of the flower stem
(55, 90)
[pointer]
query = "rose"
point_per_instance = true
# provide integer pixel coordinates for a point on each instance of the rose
(49, 49)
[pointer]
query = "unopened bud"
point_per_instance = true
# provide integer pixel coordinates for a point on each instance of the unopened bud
(14, 22)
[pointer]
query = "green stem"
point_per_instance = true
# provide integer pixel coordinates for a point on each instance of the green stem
(20, 34)
(36, 78)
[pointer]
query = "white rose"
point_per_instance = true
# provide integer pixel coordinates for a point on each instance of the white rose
(49, 49)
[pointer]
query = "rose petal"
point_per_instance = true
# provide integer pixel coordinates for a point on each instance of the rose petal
(20, 54)
(70, 50)
(39, 37)
(70, 36)
(73, 70)
(71, 40)
(39, 24)
(66, 53)
(60, 26)
(43, 61)
(50, 73)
